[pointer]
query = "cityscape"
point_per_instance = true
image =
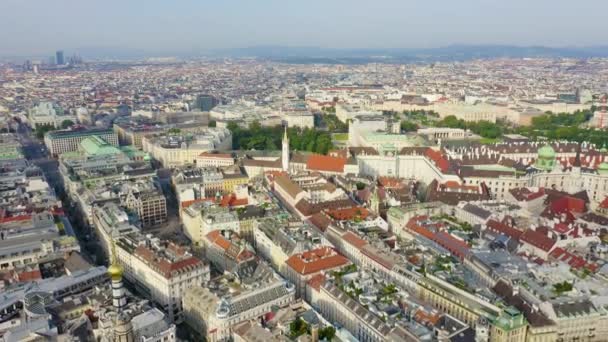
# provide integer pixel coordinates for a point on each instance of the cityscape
(301, 194)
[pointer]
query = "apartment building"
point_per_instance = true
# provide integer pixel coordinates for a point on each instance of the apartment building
(178, 149)
(162, 271)
(29, 238)
(147, 202)
(337, 307)
(302, 267)
(214, 160)
(212, 311)
(200, 219)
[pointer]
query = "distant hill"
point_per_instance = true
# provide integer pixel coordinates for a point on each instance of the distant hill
(311, 54)
(452, 52)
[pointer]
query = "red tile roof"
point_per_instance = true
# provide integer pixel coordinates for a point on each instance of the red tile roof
(455, 246)
(321, 221)
(499, 227)
(568, 203)
(354, 240)
(346, 214)
(390, 182)
(577, 262)
(163, 265)
(316, 281)
(538, 240)
(427, 318)
(440, 162)
(15, 218)
(29, 275)
(316, 260)
(322, 163)
(215, 237)
(230, 200)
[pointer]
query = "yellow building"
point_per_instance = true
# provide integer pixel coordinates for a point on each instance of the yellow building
(454, 301)
(544, 333)
(232, 180)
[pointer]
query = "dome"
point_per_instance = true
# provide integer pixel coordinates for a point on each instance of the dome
(115, 271)
(546, 152)
(603, 168)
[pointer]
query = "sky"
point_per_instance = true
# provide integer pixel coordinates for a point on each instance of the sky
(31, 27)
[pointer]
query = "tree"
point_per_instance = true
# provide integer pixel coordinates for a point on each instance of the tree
(212, 123)
(269, 138)
(67, 123)
(562, 287)
(297, 327)
(360, 186)
(408, 126)
(451, 121)
(41, 130)
(327, 333)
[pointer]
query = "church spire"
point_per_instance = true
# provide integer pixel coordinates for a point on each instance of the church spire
(285, 152)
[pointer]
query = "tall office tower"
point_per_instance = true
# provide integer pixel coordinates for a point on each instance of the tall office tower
(205, 102)
(59, 57)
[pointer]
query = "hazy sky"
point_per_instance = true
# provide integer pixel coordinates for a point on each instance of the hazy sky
(43, 26)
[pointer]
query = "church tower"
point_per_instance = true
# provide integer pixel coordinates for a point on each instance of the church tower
(123, 329)
(285, 152)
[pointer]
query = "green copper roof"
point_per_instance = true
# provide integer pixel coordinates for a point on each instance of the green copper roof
(546, 152)
(134, 153)
(510, 319)
(95, 146)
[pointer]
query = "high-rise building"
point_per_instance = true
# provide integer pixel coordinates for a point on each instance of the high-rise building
(205, 102)
(59, 59)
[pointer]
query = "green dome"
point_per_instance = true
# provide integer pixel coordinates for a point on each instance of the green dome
(546, 152)
(602, 168)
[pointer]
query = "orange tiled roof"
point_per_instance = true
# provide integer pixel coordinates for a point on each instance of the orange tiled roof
(348, 213)
(354, 240)
(162, 265)
(316, 260)
(316, 281)
(424, 317)
(216, 238)
(319, 162)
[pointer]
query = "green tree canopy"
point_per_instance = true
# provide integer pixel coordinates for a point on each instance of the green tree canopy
(259, 137)
(41, 130)
(408, 126)
(67, 123)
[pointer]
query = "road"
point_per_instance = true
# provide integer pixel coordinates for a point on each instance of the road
(35, 151)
